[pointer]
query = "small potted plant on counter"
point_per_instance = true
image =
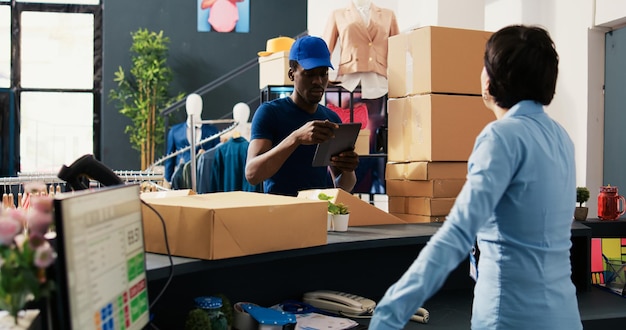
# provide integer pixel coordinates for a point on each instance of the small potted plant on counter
(338, 214)
(582, 196)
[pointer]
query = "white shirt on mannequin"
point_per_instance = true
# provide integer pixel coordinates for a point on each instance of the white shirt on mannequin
(362, 3)
(363, 6)
(197, 122)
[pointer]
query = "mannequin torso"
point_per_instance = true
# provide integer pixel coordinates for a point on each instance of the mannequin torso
(363, 45)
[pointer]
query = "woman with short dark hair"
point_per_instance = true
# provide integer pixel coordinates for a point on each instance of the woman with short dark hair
(517, 203)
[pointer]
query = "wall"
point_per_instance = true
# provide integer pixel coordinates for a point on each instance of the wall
(610, 13)
(197, 58)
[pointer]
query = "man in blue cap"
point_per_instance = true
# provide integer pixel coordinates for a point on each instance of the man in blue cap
(285, 131)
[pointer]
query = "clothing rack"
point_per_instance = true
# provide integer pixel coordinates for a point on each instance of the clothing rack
(12, 186)
(192, 146)
(48, 177)
(188, 148)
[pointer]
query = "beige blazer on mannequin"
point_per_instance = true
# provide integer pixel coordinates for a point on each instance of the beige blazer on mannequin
(363, 47)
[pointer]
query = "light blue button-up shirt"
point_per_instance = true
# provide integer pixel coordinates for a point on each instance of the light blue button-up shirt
(518, 202)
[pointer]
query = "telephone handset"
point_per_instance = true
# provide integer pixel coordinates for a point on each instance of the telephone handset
(340, 302)
(351, 305)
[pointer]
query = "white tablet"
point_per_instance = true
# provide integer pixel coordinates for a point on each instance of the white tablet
(345, 138)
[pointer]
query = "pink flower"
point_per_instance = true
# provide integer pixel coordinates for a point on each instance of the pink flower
(19, 241)
(39, 222)
(44, 255)
(42, 203)
(9, 228)
(17, 214)
(36, 239)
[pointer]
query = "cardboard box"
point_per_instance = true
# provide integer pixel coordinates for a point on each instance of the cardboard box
(273, 70)
(425, 188)
(167, 193)
(233, 224)
(362, 145)
(425, 170)
(435, 127)
(435, 59)
(414, 218)
(362, 213)
(420, 205)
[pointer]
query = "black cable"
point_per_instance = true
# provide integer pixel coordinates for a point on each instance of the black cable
(169, 255)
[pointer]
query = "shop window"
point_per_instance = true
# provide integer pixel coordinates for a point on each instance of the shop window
(48, 139)
(5, 43)
(56, 101)
(71, 2)
(57, 50)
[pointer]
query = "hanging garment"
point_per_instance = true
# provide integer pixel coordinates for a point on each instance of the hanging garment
(363, 47)
(203, 170)
(359, 113)
(177, 139)
(229, 165)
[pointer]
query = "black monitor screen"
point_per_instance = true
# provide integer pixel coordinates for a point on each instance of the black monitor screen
(101, 276)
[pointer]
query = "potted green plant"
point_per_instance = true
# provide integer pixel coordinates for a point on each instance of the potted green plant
(582, 196)
(142, 93)
(197, 319)
(338, 214)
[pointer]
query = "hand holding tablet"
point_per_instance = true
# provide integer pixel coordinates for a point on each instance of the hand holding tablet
(345, 138)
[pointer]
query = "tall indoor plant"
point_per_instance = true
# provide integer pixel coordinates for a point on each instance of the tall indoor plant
(141, 94)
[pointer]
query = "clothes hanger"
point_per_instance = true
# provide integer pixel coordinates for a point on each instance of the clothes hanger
(19, 197)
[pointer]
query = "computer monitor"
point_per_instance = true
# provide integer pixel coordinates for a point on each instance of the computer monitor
(101, 275)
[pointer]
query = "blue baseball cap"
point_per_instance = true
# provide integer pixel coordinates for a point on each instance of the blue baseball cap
(310, 52)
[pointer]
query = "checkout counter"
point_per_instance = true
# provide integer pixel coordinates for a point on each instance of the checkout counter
(364, 261)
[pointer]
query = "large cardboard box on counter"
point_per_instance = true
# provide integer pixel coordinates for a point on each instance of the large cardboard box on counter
(273, 70)
(233, 224)
(425, 170)
(434, 127)
(435, 59)
(361, 213)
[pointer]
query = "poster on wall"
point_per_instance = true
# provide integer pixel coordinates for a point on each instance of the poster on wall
(608, 264)
(224, 16)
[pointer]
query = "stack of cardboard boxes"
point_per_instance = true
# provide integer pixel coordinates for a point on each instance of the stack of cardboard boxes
(435, 112)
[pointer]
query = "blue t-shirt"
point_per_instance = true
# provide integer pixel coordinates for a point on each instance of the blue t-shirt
(275, 120)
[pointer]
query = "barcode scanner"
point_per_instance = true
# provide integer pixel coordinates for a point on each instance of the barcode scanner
(85, 168)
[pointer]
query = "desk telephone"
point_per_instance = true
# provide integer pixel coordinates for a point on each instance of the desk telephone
(351, 305)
